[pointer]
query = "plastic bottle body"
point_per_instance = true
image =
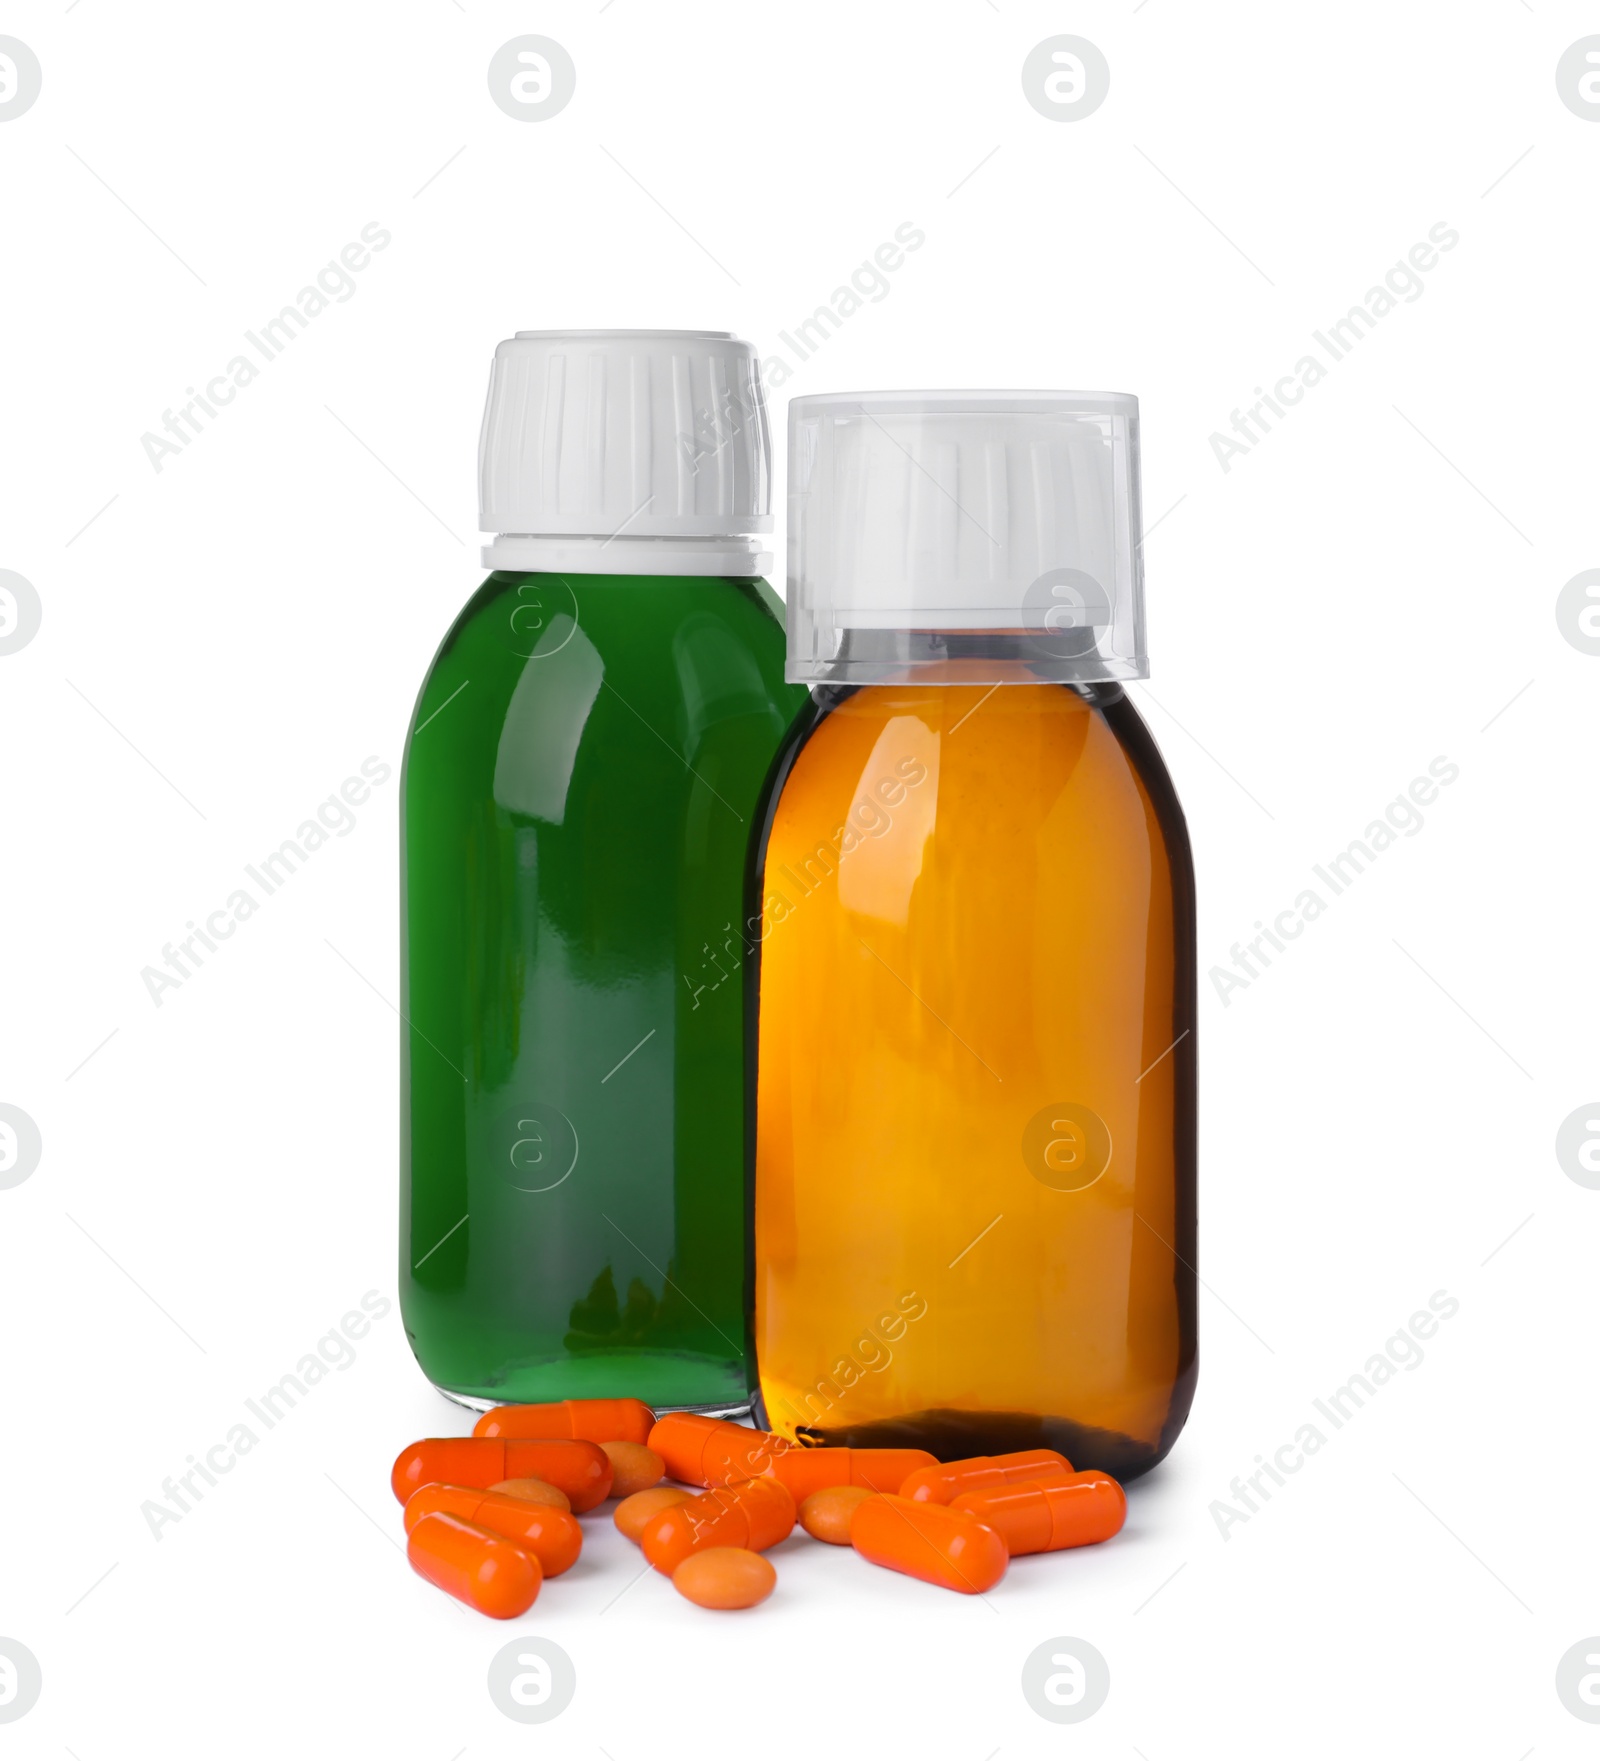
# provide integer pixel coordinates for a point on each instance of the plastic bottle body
(581, 776)
(974, 1171)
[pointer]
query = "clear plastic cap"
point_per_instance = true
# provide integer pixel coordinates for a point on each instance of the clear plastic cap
(999, 528)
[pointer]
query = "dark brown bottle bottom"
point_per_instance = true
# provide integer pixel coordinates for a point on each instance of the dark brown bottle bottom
(951, 1436)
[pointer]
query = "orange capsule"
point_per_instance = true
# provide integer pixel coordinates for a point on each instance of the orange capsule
(713, 1452)
(581, 1470)
(484, 1570)
(553, 1537)
(592, 1421)
(756, 1514)
(805, 1471)
(929, 1541)
(1035, 1518)
(938, 1485)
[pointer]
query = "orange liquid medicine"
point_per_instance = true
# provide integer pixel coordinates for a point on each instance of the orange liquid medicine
(972, 958)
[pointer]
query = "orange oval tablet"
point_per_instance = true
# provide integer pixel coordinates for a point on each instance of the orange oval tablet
(633, 1513)
(826, 1515)
(713, 1452)
(593, 1421)
(553, 1536)
(756, 1514)
(725, 1577)
(805, 1471)
(1036, 1518)
(977, 1473)
(634, 1468)
(581, 1470)
(533, 1492)
(929, 1541)
(484, 1570)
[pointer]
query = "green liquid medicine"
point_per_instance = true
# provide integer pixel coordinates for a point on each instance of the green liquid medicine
(582, 772)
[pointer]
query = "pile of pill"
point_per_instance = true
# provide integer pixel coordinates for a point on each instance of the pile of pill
(489, 1517)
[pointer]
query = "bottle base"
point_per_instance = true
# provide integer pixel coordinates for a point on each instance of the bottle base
(952, 1435)
(740, 1412)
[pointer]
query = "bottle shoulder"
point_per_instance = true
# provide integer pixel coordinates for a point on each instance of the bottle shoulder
(537, 666)
(1035, 749)
(658, 636)
(1133, 735)
(526, 614)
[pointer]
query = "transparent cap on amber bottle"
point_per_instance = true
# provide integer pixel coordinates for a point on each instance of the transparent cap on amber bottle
(1000, 529)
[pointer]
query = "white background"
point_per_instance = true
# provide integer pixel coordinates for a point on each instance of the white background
(224, 641)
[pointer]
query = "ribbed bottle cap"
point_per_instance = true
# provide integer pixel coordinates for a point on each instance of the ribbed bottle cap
(993, 526)
(620, 435)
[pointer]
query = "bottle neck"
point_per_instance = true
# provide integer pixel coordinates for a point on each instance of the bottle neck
(624, 555)
(1001, 656)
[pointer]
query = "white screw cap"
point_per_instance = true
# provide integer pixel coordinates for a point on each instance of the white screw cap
(624, 434)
